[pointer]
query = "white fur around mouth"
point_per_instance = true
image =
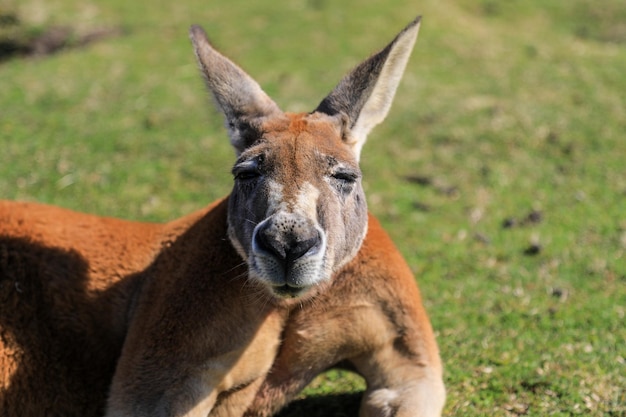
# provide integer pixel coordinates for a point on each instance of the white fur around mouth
(303, 274)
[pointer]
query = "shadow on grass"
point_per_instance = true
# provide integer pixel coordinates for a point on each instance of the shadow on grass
(338, 405)
(18, 39)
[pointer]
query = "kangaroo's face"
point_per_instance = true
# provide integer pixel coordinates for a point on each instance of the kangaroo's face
(297, 212)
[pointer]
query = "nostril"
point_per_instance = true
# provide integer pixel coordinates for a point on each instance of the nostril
(301, 247)
(266, 240)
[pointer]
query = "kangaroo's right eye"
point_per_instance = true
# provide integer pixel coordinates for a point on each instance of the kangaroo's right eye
(247, 170)
(246, 175)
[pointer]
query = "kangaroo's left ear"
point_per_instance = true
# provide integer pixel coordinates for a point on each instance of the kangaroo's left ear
(364, 96)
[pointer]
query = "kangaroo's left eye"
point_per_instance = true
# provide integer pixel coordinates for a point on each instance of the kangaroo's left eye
(343, 180)
(347, 177)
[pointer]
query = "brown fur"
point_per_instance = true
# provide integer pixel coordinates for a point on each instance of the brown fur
(232, 309)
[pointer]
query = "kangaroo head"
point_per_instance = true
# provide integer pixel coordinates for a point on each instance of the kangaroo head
(297, 212)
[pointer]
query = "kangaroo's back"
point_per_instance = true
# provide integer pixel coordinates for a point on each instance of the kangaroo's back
(67, 284)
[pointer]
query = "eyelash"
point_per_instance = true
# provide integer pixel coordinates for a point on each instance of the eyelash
(347, 177)
(249, 170)
(246, 175)
(344, 181)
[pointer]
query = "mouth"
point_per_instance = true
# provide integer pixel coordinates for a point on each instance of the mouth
(287, 291)
(296, 279)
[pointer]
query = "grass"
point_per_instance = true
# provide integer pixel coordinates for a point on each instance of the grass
(500, 171)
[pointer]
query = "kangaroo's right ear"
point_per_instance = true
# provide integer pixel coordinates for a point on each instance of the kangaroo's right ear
(238, 96)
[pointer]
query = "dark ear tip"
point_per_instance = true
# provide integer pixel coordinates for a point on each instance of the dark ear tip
(415, 22)
(196, 32)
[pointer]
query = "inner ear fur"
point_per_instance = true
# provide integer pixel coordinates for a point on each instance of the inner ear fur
(238, 96)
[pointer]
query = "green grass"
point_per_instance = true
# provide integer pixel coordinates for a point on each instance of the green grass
(507, 108)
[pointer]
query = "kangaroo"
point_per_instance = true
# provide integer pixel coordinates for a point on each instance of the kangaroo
(233, 309)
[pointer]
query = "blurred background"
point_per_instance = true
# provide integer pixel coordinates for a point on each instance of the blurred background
(500, 172)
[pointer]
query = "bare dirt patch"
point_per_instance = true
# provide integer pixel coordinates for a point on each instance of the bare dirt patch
(20, 40)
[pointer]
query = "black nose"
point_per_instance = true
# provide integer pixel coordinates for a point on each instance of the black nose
(287, 241)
